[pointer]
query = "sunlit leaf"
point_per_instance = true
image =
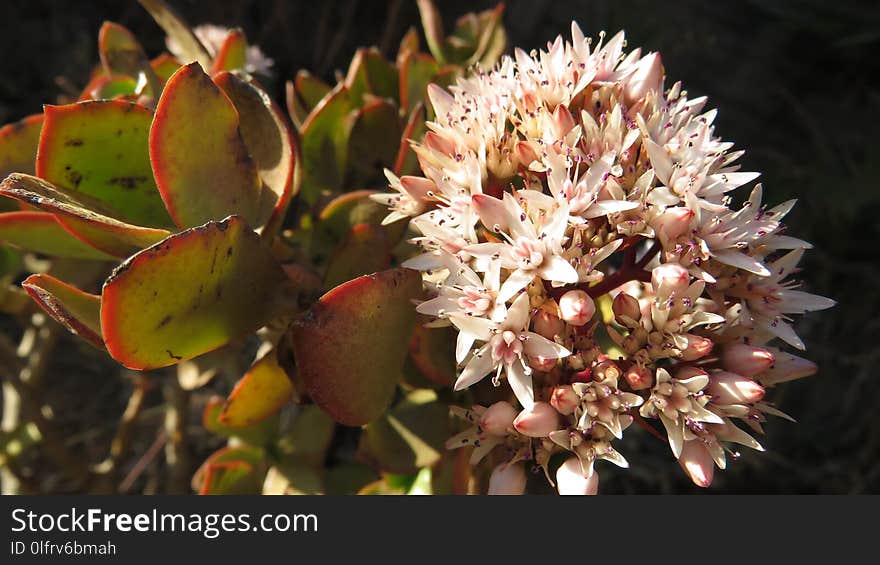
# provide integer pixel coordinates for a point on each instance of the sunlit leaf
(74, 309)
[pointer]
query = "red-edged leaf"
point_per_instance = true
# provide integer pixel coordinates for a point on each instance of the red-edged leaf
(232, 53)
(74, 309)
(432, 351)
(41, 232)
(363, 251)
(164, 66)
(189, 294)
(101, 232)
(325, 144)
(232, 470)
(122, 54)
(269, 141)
(260, 393)
(351, 345)
(178, 30)
(200, 161)
(18, 145)
(99, 150)
(373, 143)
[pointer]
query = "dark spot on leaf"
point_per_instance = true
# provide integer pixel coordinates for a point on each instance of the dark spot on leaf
(129, 182)
(74, 178)
(73, 142)
(172, 355)
(164, 321)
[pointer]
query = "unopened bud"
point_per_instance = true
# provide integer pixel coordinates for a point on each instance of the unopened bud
(647, 77)
(544, 364)
(498, 418)
(697, 347)
(673, 222)
(625, 306)
(606, 370)
(546, 324)
(508, 479)
(745, 359)
(563, 120)
(730, 388)
(639, 377)
(689, 371)
(697, 462)
(564, 399)
(669, 278)
(570, 479)
(491, 212)
(538, 421)
(525, 153)
(576, 307)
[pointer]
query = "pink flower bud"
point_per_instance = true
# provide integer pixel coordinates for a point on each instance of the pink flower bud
(625, 305)
(669, 278)
(697, 347)
(564, 399)
(563, 120)
(730, 388)
(498, 418)
(537, 422)
(673, 222)
(570, 479)
(546, 324)
(689, 371)
(638, 377)
(439, 143)
(648, 76)
(746, 359)
(508, 479)
(539, 363)
(418, 187)
(576, 307)
(697, 462)
(525, 153)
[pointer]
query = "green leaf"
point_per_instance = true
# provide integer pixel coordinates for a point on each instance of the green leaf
(104, 87)
(350, 347)
(122, 54)
(259, 394)
(407, 162)
(416, 72)
(432, 24)
(410, 436)
(311, 89)
(232, 470)
(189, 294)
(432, 351)
(98, 150)
(325, 144)
(261, 434)
(178, 30)
(18, 145)
(74, 309)
(101, 232)
(269, 141)
(365, 250)
(373, 144)
(349, 478)
(41, 232)
(309, 436)
(350, 209)
(200, 161)
(164, 66)
(232, 53)
(292, 478)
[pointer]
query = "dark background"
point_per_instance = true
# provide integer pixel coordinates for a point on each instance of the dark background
(796, 86)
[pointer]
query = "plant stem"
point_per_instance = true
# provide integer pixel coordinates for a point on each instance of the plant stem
(177, 455)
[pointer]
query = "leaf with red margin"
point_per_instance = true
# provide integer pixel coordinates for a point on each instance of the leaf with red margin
(101, 232)
(99, 150)
(407, 163)
(324, 137)
(373, 143)
(232, 53)
(416, 71)
(432, 351)
(122, 54)
(363, 251)
(41, 232)
(269, 141)
(261, 434)
(164, 66)
(259, 394)
(102, 87)
(350, 347)
(199, 158)
(232, 470)
(189, 294)
(18, 145)
(74, 309)
(310, 88)
(178, 30)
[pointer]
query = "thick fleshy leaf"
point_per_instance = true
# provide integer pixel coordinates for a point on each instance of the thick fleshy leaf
(232, 53)
(74, 309)
(369, 73)
(261, 434)
(432, 351)
(416, 72)
(189, 294)
(41, 232)
(103, 87)
(373, 144)
(270, 143)
(260, 393)
(101, 232)
(348, 478)
(232, 470)
(122, 54)
(99, 150)
(351, 345)
(292, 478)
(18, 145)
(410, 436)
(366, 249)
(200, 161)
(350, 209)
(325, 144)
(311, 89)
(432, 24)
(177, 29)
(164, 66)
(309, 437)
(406, 162)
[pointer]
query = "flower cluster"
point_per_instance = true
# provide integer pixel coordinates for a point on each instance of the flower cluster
(576, 225)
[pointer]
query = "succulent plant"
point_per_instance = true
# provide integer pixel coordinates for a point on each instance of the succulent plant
(187, 223)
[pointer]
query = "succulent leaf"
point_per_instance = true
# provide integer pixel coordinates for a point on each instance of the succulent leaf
(18, 145)
(373, 143)
(232, 470)
(325, 144)
(178, 30)
(122, 54)
(76, 310)
(232, 53)
(365, 250)
(42, 232)
(259, 394)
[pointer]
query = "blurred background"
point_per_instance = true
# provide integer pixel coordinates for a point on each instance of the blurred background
(796, 86)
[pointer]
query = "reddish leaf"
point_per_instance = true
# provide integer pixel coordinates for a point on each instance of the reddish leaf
(41, 232)
(74, 309)
(260, 393)
(232, 53)
(363, 251)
